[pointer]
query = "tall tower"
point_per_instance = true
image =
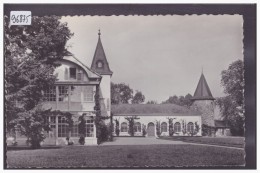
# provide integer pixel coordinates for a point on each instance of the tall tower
(203, 101)
(101, 66)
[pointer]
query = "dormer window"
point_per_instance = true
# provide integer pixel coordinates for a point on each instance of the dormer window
(80, 75)
(72, 73)
(99, 64)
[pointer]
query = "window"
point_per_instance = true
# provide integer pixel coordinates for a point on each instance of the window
(72, 73)
(90, 126)
(74, 131)
(137, 127)
(80, 75)
(63, 93)
(88, 93)
(177, 127)
(63, 130)
(50, 94)
(99, 64)
(66, 75)
(164, 127)
(52, 124)
(108, 104)
(190, 127)
(123, 127)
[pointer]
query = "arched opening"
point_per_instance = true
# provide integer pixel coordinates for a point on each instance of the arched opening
(137, 127)
(124, 127)
(99, 64)
(190, 127)
(150, 129)
(177, 127)
(164, 127)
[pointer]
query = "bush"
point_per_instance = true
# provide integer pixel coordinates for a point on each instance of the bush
(69, 141)
(171, 129)
(117, 127)
(158, 128)
(105, 133)
(144, 130)
(207, 130)
(82, 140)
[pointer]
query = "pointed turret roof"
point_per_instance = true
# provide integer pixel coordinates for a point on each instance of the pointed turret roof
(99, 62)
(202, 91)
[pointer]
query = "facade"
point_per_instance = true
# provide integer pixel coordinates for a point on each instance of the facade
(154, 120)
(75, 90)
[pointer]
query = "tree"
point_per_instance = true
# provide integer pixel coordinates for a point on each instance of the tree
(172, 100)
(181, 100)
(232, 105)
(103, 131)
(187, 100)
(233, 81)
(82, 129)
(158, 128)
(138, 98)
(121, 93)
(171, 129)
(117, 130)
(151, 102)
(31, 54)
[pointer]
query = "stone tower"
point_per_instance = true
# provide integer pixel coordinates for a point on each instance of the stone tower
(100, 65)
(203, 101)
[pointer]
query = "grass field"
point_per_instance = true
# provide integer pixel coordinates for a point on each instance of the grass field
(125, 156)
(223, 141)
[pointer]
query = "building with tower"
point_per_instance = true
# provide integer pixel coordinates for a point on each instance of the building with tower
(173, 120)
(79, 90)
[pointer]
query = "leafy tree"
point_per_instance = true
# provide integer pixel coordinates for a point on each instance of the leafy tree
(232, 105)
(82, 129)
(121, 93)
(138, 98)
(187, 100)
(31, 54)
(102, 129)
(184, 127)
(172, 100)
(158, 128)
(171, 129)
(181, 100)
(151, 102)
(233, 81)
(117, 130)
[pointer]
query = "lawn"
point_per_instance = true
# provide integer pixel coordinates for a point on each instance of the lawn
(125, 156)
(223, 141)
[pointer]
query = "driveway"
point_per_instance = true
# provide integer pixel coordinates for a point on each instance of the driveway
(139, 141)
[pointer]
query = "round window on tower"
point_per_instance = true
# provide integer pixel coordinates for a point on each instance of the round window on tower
(99, 64)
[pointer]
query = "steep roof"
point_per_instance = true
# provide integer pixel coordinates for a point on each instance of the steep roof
(202, 91)
(152, 109)
(100, 56)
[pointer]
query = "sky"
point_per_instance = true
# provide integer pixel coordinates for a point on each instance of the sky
(161, 56)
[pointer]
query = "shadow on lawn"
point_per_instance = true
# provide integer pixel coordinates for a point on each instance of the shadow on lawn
(11, 148)
(230, 142)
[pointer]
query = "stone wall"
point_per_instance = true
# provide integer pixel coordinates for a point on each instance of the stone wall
(206, 107)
